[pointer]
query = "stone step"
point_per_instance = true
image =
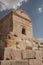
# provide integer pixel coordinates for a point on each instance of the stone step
(22, 62)
(13, 62)
(35, 62)
(17, 54)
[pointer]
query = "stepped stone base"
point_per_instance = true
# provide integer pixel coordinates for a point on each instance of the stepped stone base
(21, 62)
(22, 57)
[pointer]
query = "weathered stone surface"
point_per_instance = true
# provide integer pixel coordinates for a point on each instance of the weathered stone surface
(5, 62)
(11, 53)
(41, 63)
(13, 62)
(11, 43)
(28, 54)
(39, 54)
(1, 54)
(35, 46)
(16, 54)
(28, 44)
(7, 54)
(20, 62)
(16, 34)
(15, 22)
(34, 62)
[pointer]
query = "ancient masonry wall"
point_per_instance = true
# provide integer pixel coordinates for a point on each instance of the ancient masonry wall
(22, 57)
(12, 25)
(15, 47)
(20, 22)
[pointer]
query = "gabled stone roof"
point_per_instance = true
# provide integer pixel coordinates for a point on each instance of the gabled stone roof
(20, 13)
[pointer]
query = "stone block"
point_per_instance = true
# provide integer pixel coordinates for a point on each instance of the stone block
(14, 62)
(20, 62)
(5, 62)
(34, 62)
(7, 54)
(41, 63)
(38, 54)
(16, 54)
(28, 54)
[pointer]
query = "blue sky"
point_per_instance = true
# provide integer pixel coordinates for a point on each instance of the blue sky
(34, 8)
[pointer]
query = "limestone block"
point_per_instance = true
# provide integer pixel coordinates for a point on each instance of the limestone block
(34, 62)
(41, 45)
(16, 54)
(28, 44)
(41, 49)
(14, 62)
(22, 45)
(38, 54)
(7, 54)
(35, 46)
(28, 54)
(5, 62)
(41, 63)
(10, 43)
(20, 62)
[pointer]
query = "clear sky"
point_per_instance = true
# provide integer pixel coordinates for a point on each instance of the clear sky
(34, 8)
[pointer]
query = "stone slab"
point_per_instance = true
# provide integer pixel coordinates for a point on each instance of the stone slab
(28, 54)
(21, 62)
(16, 54)
(13, 62)
(7, 54)
(39, 54)
(34, 62)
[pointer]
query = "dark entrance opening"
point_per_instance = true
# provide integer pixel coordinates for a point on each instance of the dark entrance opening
(23, 31)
